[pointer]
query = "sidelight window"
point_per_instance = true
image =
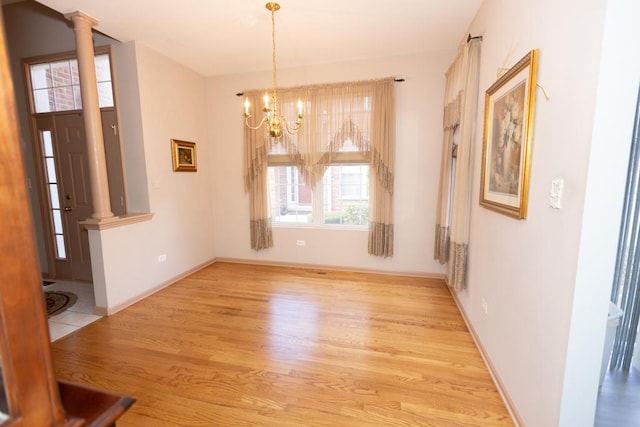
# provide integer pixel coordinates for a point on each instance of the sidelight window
(53, 193)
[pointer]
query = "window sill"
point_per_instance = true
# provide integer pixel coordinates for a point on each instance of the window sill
(322, 226)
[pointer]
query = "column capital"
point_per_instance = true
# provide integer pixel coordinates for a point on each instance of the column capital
(81, 17)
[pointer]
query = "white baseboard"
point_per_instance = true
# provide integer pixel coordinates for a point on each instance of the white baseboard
(515, 416)
(108, 311)
(331, 268)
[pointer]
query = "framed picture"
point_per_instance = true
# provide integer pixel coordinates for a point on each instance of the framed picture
(184, 156)
(508, 135)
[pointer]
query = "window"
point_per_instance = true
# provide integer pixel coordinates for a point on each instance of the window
(346, 127)
(290, 198)
(56, 85)
(346, 195)
(341, 197)
(52, 191)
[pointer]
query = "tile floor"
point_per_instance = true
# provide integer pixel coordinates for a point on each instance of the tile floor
(78, 315)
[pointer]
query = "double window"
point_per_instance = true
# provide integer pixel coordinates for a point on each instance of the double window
(340, 196)
(338, 169)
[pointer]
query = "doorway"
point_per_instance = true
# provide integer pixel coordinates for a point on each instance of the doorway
(65, 186)
(618, 395)
(60, 154)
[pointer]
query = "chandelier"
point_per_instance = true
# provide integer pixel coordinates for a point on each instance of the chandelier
(271, 108)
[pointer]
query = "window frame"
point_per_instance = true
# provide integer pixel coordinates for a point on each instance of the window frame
(317, 190)
(64, 56)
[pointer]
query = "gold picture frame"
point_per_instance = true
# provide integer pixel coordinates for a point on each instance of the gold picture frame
(184, 156)
(508, 134)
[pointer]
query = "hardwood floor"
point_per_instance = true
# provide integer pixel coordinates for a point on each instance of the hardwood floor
(239, 345)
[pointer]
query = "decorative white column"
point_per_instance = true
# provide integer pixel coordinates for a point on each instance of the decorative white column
(82, 24)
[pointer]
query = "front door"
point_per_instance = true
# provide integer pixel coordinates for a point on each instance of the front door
(64, 150)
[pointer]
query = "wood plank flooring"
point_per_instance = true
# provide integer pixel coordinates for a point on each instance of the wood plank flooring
(240, 345)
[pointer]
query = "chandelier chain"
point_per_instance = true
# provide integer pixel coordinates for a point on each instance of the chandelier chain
(273, 44)
(272, 117)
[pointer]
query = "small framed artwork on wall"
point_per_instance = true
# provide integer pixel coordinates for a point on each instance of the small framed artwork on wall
(184, 156)
(508, 135)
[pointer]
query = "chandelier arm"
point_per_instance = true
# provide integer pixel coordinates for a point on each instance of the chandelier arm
(246, 122)
(290, 129)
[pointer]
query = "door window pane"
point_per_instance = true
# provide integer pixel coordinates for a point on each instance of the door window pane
(51, 169)
(60, 250)
(43, 100)
(47, 144)
(57, 221)
(54, 198)
(41, 76)
(61, 74)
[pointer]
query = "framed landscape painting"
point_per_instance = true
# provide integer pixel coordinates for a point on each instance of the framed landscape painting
(508, 135)
(184, 156)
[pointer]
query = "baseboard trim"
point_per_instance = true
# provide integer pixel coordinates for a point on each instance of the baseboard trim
(330, 267)
(108, 311)
(515, 416)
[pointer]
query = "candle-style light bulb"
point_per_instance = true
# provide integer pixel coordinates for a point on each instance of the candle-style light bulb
(246, 106)
(299, 107)
(266, 100)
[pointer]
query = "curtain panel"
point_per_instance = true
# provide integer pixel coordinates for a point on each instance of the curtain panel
(256, 147)
(342, 121)
(454, 195)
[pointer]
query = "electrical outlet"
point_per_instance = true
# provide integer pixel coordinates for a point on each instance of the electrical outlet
(300, 242)
(162, 258)
(485, 306)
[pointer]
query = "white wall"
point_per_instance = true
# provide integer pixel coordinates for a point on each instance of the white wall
(617, 94)
(127, 95)
(534, 273)
(419, 136)
(172, 102)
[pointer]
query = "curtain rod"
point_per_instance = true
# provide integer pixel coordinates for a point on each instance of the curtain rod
(469, 38)
(397, 79)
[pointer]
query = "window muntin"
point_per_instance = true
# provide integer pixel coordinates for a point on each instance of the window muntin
(56, 85)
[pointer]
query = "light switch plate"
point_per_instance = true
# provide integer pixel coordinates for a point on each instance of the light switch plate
(555, 195)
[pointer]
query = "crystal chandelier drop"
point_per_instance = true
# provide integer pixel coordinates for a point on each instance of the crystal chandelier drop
(272, 117)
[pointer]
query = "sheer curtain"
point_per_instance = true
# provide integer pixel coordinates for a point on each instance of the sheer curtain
(454, 197)
(382, 161)
(256, 147)
(355, 120)
(626, 281)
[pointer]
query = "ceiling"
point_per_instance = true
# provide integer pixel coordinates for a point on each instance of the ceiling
(215, 37)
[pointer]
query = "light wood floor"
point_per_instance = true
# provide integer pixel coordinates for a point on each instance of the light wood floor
(238, 345)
